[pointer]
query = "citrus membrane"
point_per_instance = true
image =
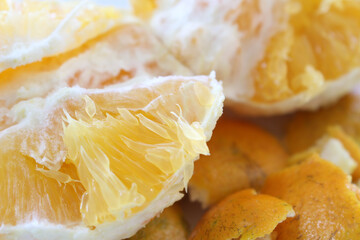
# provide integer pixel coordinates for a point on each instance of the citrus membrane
(273, 56)
(83, 163)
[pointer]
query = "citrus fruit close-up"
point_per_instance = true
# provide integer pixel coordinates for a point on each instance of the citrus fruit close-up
(79, 161)
(324, 200)
(169, 225)
(179, 119)
(274, 56)
(340, 121)
(242, 156)
(124, 50)
(242, 215)
(337, 147)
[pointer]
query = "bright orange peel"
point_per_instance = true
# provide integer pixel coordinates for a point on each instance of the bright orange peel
(305, 128)
(340, 121)
(337, 147)
(323, 198)
(242, 215)
(242, 155)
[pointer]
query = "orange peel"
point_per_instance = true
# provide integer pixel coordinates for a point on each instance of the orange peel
(242, 215)
(305, 128)
(242, 155)
(323, 198)
(337, 147)
(339, 121)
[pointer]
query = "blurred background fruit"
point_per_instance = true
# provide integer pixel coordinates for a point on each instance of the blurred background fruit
(306, 128)
(242, 156)
(169, 225)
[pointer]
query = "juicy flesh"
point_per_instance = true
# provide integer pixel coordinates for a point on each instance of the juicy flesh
(320, 43)
(118, 158)
(33, 77)
(129, 156)
(128, 51)
(27, 194)
(12, 80)
(29, 22)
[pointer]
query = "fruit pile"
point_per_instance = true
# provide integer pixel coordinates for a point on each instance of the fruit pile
(106, 117)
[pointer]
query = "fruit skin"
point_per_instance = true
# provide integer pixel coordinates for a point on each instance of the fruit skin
(242, 215)
(169, 225)
(335, 146)
(305, 128)
(242, 155)
(321, 194)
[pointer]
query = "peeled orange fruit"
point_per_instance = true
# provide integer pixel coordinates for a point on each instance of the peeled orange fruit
(125, 51)
(169, 225)
(242, 215)
(274, 56)
(100, 163)
(242, 156)
(31, 30)
(324, 200)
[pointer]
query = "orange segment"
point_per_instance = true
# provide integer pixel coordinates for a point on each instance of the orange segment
(242, 215)
(326, 207)
(28, 195)
(103, 162)
(273, 56)
(31, 29)
(169, 225)
(128, 51)
(322, 37)
(242, 155)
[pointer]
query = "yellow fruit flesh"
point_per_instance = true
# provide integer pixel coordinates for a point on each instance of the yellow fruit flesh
(3, 5)
(320, 43)
(27, 25)
(29, 195)
(122, 151)
(11, 80)
(129, 153)
(143, 8)
(128, 51)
